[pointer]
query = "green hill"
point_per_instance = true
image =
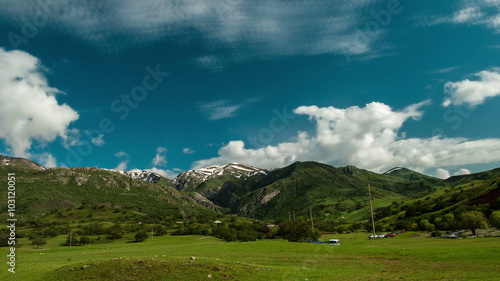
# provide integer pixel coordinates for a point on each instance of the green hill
(39, 191)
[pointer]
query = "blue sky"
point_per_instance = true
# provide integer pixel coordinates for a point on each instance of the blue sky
(175, 85)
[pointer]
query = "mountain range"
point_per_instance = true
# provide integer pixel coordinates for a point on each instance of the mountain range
(234, 188)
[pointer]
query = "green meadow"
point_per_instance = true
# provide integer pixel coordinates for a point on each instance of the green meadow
(409, 256)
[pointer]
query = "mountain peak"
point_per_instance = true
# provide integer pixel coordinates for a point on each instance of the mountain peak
(144, 175)
(193, 178)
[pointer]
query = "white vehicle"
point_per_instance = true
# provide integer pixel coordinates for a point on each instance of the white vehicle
(333, 242)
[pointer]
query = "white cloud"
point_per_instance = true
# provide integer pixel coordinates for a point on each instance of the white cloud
(122, 154)
(166, 173)
(122, 166)
(442, 173)
(462, 172)
(444, 70)
(98, 141)
(468, 14)
(223, 109)
(29, 110)
(47, 160)
(269, 29)
(220, 110)
(160, 157)
(367, 137)
(187, 150)
(473, 92)
(71, 138)
(480, 12)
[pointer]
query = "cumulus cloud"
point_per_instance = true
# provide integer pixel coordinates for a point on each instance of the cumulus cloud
(473, 92)
(122, 166)
(29, 110)
(124, 156)
(368, 137)
(442, 173)
(160, 157)
(47, 160)
(166, 173)
(269, 29)
(462, 172)
(187, 150)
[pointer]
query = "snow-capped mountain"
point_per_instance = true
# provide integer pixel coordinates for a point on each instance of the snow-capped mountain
(193, 178)
(144, 175)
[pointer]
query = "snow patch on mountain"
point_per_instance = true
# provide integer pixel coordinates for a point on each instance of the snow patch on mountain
(193, 178)
(146, 176)
(393, 170)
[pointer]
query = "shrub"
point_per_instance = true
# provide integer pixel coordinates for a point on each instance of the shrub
(141, 235)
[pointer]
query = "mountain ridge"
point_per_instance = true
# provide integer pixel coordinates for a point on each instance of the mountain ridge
(245, 190)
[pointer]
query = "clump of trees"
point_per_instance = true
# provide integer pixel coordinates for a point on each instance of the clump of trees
(297, 231)
(241, 231)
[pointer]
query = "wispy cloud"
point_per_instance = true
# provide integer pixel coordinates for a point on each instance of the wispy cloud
(220, 110)
(261, 30)
(122, 154)
(444, 70)
(481, 12)
(187, 150)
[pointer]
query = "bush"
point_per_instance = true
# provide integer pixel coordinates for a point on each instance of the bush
(38, 241)
(141, 235)
(436, 233)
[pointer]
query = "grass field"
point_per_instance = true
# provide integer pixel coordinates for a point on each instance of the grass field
(409, 256)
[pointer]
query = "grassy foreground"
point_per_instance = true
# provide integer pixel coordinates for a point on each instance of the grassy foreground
(406, 257)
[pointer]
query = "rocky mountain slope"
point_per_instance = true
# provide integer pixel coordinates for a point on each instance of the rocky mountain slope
(249, 191)
(193, 178)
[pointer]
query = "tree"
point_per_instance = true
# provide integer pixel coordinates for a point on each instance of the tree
(495, 219)
(426, 225)
(38, 241)
(84, 240)
(160, 230)
(473, 221)
(141, 235)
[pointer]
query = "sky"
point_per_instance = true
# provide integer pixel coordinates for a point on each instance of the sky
(170, 86)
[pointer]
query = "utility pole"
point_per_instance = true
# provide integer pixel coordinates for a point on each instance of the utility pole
(371, 210)
(312, 222)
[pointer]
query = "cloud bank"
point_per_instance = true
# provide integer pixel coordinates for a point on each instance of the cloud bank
(369, 137)
(29, 110)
